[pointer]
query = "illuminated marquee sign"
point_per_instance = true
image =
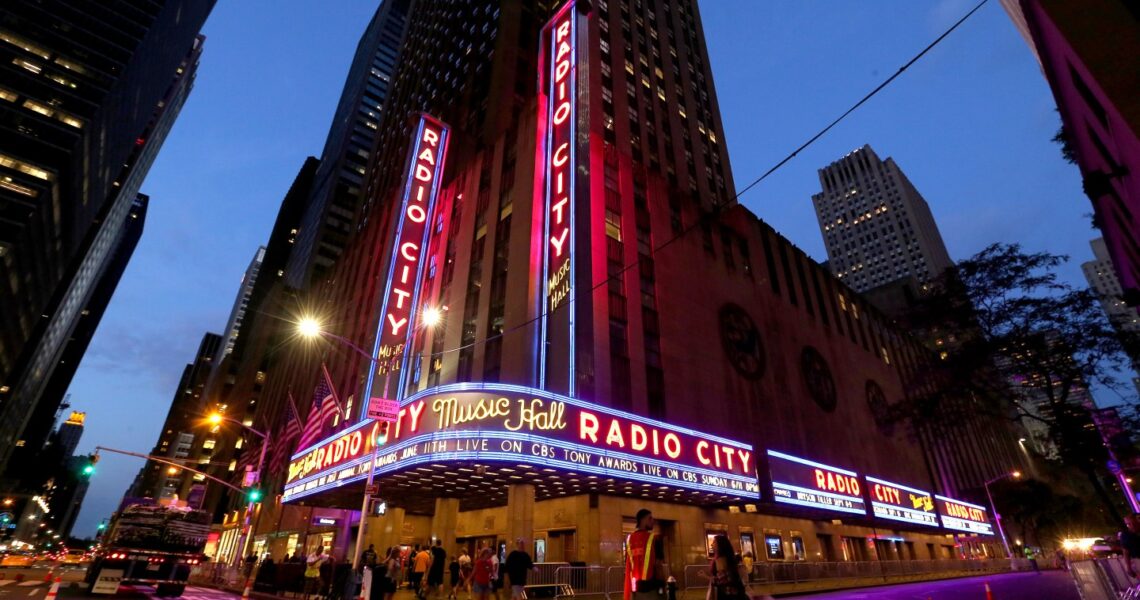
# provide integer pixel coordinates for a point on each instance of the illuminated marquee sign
(558, 68)
(806, 483)
(963, 516)
(506, 423)
(898, 502)
(401, 292)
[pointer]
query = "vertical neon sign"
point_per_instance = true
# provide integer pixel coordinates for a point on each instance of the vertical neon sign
(405, 271)
(558, 69)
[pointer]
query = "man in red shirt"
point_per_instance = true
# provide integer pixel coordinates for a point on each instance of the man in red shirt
(645, 570)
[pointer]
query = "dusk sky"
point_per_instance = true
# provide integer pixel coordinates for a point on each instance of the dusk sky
(970, 124)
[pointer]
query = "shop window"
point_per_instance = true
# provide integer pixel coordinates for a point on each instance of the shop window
(798, 552)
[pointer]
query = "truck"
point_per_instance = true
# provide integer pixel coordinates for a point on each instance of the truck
(150, 543)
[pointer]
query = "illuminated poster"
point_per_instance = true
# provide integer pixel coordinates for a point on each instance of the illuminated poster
(558, 71)
(405, 271)
(810, 484)
(500, 422)
(963, 516)
(898, 502)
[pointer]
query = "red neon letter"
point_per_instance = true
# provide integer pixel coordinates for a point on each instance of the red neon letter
(396, 325)
(637, 438)
(614, 436)
(672, 445)
(431, 136)
(587, 426)
(701, 447)
(408, 247)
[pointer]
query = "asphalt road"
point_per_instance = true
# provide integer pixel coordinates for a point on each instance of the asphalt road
(1047, 585)
(37, 590)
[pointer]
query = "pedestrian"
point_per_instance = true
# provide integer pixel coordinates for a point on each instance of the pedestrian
(1130, 542)
(749, 562)
(518, 565)
(436, 570)
(453, 569)
(1059, 560)
(391, 572)
(497, 570)
(645, 570)
(313, 570)
(725, 582)
(420, 567)
(250, 562)
(482, 574)
(409, 565)
(325, 572)
(368, 558)
(465, 566)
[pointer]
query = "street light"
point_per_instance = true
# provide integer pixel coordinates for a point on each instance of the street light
(310, 328)
(997, 516)
(217, 418)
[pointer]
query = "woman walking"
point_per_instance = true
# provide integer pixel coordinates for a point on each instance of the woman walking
(482, 574)
(725, 582)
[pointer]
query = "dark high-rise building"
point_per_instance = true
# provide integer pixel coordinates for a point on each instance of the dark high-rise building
(876, 226)
(337, 191)
(88, 92)
(551, 277)
(183, 429)
(70, 431)
(36, 434)
(241, 302)
(1087, 51)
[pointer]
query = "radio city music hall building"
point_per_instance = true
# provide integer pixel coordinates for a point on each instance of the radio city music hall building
(618, 333)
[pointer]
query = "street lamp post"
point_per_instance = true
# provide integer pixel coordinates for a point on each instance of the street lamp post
(246, 533)
(993, 507)
(311, 328)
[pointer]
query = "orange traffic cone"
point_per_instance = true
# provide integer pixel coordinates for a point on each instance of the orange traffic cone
(989, 593)
(244, 593)
(50, 574)
(54, 590)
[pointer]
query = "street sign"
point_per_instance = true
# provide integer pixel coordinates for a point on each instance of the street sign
(250, 478)
(383, 410)
(370, 490)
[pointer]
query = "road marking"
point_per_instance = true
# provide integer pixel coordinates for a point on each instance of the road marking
(32, 592)
(27, 583)
(4, 582)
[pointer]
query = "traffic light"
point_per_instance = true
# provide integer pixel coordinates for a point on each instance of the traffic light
(88, 468)
(253, 495)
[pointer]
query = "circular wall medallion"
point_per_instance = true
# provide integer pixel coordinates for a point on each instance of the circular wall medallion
(817, 377)
(741, 341)
(880, 410)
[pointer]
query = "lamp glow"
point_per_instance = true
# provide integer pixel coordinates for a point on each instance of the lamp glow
(309, 327)
(431, 316)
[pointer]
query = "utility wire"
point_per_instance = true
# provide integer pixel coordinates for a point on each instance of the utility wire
(713, 214)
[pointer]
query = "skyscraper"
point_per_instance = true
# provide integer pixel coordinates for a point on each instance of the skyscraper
(89, 92)
(876, 226)
(25, 458)
(241, 303)
(550, 275)
(336, 196)
(183, 429)
(1087, 51)
(1101, 275)
(70, 431)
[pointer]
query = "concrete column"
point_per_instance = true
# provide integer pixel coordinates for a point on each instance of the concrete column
(520, 514)
(384, 532)
(444, 522)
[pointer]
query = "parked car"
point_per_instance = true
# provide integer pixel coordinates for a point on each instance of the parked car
(75, 558)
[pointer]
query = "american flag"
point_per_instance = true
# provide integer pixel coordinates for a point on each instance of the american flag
(282, 448)
(324, 408)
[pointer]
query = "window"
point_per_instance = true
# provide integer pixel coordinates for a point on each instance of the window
(613, 225)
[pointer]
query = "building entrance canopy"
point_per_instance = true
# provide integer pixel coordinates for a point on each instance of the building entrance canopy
(472, 433)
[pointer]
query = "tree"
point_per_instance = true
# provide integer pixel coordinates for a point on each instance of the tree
(1022, 344)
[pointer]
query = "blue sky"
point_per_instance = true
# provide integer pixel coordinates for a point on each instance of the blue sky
(970, 125)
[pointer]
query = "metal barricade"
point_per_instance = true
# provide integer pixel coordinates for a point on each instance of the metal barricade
(583, 581)
(546, 573)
